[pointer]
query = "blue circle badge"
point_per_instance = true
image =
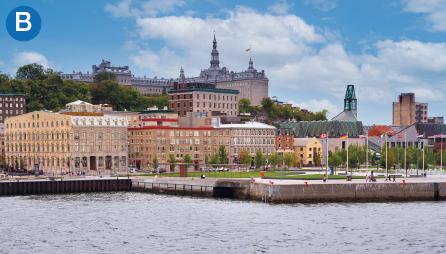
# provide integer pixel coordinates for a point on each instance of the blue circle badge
(23, 23)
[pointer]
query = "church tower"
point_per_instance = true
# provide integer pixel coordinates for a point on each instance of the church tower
(215, 63)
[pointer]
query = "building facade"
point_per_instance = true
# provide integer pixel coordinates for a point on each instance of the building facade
(306, 148)
(407, 111)
(148, 141)
(251, 136)
(12, 105)
(203, 99)
(68, 141)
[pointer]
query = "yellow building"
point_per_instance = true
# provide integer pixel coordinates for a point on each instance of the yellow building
(306, 148)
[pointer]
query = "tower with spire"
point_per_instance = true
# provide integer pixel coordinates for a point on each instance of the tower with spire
(182, 77)
(215, 63)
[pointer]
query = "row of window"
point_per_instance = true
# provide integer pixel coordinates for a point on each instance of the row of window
(203, 96)
(11, 105)
(37, 136)
(253, 132)
(7, 112)
(100, 135)
(253, 141)
(163, 156)
(35, 124)
(138, 149)
(253, 150)
(78, 161)
(78, 147)
(11, 99)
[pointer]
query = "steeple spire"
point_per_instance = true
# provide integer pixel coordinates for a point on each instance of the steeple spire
(250, 65)
(215, 63)
(182, 77)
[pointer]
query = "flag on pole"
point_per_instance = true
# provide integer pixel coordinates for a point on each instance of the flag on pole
(343, 136)
(382, 136)
(437, 136)
(400, 136)
(420, 136)
(323, 136)
(247, 50)
(362, 136)
(378, 141)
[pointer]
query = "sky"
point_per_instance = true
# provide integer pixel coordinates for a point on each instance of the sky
(310, 49)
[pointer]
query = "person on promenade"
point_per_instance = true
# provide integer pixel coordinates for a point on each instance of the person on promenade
(366, 178)
(325, 178)
(394, 178)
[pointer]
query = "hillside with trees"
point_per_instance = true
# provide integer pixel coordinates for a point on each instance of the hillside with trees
(45, 90)
(280, 112)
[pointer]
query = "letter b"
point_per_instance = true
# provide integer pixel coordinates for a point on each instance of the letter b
(18, 21)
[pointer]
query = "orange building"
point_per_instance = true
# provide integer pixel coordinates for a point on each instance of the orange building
(378, 130)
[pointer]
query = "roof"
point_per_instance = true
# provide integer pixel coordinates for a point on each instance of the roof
(79, 102)
(172, 128)
(204, 89)
(302, 141)
(246, 125)
(378, 130)
(346, 115)
(159, 120)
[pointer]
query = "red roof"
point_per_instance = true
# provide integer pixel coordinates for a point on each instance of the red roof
(159, 120)
(171, 128)
(379, 130)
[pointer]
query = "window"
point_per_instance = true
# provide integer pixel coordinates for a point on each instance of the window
(101, 161)
(76, 147)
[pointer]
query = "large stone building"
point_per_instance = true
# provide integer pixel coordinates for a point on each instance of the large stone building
(12, 105)
(124, 76)
(200, 97)
(76, 139)
(250, 83)
(407, 112)
(251, 136)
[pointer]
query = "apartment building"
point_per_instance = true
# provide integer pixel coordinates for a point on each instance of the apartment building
(69, 140)
(407, 111)
(251, 136)
(12, 105)
(306, 148)
(148, 141)
(199, 97)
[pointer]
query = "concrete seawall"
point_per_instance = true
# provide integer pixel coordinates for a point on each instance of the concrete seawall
(294, 193)
(356, 192)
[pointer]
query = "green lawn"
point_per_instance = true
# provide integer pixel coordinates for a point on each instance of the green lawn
(220, 174)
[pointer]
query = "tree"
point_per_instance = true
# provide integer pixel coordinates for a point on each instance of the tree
(98, 78)
(187, 159)
(243, 156)
(373, 159)
(352, 161)
(22, 163)
(296, 160)
(288, 159)
(155, 162)
(334, 161)
(29, 71)
(249, 159)
(172, 160)
(259, 159)
(391, 160)
(274, 159)
(317, 159)
(164, 91)
(223, 155)
(214, 159)
(16, 163)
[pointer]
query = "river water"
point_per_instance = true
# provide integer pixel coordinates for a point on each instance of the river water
(131, 222)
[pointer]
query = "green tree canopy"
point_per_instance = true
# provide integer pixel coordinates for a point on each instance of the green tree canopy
(187, 159)
(173, 161)
(155, 162)
(274, 159)
(223, 155)
(106, 75)
(259, 159)
(31, 71)
(288, 159)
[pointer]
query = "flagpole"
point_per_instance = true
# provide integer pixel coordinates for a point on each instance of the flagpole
(326, 155)
(367, 151)
(423, 158)
(347, 152)
(387, 149)
(441, 152)
(405, 157)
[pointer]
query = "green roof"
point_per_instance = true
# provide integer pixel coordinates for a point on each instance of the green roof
(205, 89)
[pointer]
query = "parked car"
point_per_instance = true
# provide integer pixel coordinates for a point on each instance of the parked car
(252, 167)
(221, 169)
(160, 170)
(205, 169)
(31, 172)
(132, 169)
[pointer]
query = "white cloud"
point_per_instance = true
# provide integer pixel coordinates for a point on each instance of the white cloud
(314, 105)
(434, 10)
(323, 5)
(189, 13)
(328, 18)
(23, 58)
(290, 52)
(149, 8)
(281, 7)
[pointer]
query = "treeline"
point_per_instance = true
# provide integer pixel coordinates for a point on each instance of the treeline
(280, 112)
(395, 157)
(45, 90)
